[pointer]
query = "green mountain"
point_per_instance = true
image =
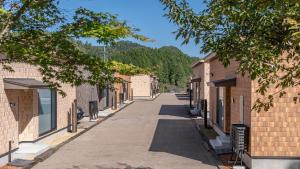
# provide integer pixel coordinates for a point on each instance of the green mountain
(171, 65)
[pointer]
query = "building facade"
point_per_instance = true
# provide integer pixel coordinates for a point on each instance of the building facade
(274, 135)
(200, 77)
(29, 110)
(94, 98)
(123, 89)
(144, 86)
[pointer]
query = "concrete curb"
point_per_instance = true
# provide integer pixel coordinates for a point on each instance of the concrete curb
(51, 151)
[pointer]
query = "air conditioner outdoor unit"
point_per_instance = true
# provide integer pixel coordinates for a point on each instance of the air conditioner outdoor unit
(239, 141)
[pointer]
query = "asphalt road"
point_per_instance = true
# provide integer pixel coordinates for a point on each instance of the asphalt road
(146, 135)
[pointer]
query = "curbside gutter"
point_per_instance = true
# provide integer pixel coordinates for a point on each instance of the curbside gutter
(48, 153)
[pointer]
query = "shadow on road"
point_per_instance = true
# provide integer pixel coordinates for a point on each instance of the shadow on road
(182, 96)
(123, 166)
(174, 110)
(179, 137)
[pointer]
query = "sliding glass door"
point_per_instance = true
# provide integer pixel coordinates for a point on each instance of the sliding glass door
(47, 110)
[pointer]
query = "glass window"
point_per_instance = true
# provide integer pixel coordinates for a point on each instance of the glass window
(47, 110)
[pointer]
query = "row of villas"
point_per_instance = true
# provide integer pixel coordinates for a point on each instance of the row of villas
(30, 111)
(274, 135)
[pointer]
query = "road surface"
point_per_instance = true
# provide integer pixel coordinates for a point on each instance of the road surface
(146, 135)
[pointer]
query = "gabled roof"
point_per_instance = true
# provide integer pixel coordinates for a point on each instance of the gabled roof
(197, 63)
(209, 57)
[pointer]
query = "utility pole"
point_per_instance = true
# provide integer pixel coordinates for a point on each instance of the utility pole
(104, 53)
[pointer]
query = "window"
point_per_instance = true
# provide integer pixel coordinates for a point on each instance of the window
(47, 110)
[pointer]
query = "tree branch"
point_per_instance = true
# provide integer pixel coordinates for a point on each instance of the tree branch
(13, 18)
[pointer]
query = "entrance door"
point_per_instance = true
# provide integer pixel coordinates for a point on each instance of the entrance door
(220, 107)
(47, 110)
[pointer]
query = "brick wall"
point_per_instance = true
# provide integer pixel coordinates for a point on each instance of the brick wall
(242, 88)
(84, 94)
(276, 132)
(141, 85)
(201, 70)
(119, 86)
(26, 121)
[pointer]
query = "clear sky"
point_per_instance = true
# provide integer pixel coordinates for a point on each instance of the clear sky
(146, 15)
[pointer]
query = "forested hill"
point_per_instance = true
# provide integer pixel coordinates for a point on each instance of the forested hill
(171, 65)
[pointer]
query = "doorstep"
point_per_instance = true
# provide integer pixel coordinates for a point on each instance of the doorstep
(206, 135)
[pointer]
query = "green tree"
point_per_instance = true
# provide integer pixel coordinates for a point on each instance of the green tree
(168, 63)
(253, 32)
(37, 32)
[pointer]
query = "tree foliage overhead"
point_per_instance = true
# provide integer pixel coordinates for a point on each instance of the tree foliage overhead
(168, 63)
(253, 32)
(37, 32)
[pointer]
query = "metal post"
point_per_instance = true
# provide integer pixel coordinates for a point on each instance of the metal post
(74, 116)
(9, 150)
(190, 98)
(115, 100)
(205, 113)
(131, 94)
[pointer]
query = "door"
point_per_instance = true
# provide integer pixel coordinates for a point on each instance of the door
(47, 110)
(220, 107)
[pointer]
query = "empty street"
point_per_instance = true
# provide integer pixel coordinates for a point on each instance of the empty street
(145, 135)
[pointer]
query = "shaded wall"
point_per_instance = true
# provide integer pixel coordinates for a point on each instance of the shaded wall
(232, 104)
(201, 71)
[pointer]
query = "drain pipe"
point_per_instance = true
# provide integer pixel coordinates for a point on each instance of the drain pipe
(9, 150)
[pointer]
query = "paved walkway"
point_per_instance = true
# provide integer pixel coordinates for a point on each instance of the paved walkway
(145, 135)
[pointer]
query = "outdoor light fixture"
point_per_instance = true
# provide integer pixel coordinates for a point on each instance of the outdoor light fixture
(12, 104)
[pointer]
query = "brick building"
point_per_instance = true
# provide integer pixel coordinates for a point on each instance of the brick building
(123, 89)
(144, 86)
(88, 95)
(199, 80)
(274, 136)
(29, 110)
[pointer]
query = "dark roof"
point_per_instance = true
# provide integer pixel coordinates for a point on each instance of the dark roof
(230, 81)
(26, 82)
(197, 63)
(196, 79)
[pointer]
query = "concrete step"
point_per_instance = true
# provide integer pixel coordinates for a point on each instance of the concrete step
(104, 113)
(220, 147)
(215, 143)
(224, 139)
(29, 151)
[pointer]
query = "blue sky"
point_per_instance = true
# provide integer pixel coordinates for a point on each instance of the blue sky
(146, 15)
